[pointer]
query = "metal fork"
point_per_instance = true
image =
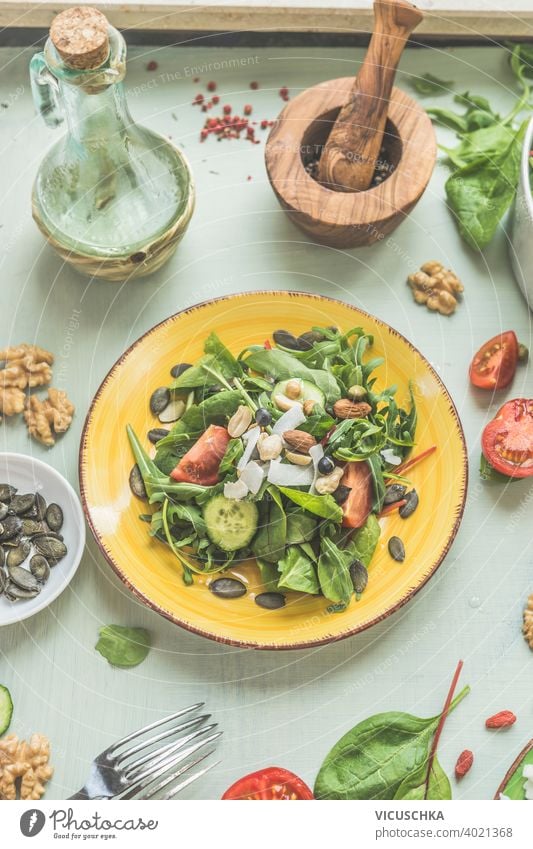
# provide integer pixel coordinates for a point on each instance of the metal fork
(117, 773)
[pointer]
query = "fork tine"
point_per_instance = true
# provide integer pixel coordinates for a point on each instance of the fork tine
(168, 763)
(153, 725)
(140, 788)
(189, 780)
(174, 729)
(158, 755)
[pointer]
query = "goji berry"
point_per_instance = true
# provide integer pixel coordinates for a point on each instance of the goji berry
(284, 92)
(254, 85)
(211, 85)
(464, 763)
(152, 65)
(503, 719)
(215, 99)
(226, 109)
(247, 109)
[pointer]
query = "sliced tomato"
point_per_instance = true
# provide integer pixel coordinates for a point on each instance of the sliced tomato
(270, 784)
(494, 365)
(507, 440)
(358, 505)
(201, 462)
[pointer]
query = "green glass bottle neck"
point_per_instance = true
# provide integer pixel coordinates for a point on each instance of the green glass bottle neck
(97, 119)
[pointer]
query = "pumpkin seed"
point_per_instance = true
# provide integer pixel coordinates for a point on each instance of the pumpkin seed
(156, 434)
(40, 568)
(270, 601)
(30, 527)
(3, 581)
(40, 506)
(172, 412)
(359, 576)
(20, 504)
(159, 399)
(137, 483)
(13, 592)
(227, 588)
(395, 492)
(18, 555)
(4, 509)
(397, 549)
(22, 578)
(54, 517)
(7, 492)
(51, 548)
(412, 503)
(306, 340)
(286, 340)
(2, 557)
(179, 368)
(9, 528)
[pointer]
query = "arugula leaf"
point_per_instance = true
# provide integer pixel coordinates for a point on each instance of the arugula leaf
(281, 365)
(334, 572)
(123, 647)
(383, 757)
(480, 193)
(232, 455)
(269, 541)
(363, 543)
(318, 423)
(448, 119)
(147, 467)
(324, 506)
(428, 84)
(297, 572)
(224, 360)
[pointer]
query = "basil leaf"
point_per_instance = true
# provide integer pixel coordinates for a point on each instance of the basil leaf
(334, 572)
(297, 572)
(269, 541)
(123, 647)
(381, 757)
(480, 193)
(363, 543)
(324, 506)
(428, 84)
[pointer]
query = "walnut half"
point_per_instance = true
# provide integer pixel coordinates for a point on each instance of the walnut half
(46, 418)
(528, 622)
(436, 287)
(24, 767)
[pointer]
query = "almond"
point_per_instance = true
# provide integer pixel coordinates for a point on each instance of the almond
(346, 409)
(299, 440)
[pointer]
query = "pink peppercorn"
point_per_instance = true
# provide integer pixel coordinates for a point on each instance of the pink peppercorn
(254, 85)
(226, 109)
(152, 65)
(211, 86)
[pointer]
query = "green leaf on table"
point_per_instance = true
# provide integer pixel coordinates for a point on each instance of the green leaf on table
(428, 84)
(297, 572)
(123, 647)
(448, 118)
(416, 786)
(480, 193)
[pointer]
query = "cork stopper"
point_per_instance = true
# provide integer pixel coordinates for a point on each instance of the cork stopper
(80, 36)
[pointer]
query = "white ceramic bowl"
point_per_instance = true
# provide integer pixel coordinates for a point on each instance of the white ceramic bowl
(30, 475)
(521, 244)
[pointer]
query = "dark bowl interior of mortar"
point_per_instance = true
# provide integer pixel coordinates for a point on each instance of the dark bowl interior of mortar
(317, 134)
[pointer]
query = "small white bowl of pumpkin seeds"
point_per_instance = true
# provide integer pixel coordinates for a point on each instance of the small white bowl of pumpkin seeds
(42, 536)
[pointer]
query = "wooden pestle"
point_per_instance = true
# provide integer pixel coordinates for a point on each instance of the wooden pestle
(349, 157)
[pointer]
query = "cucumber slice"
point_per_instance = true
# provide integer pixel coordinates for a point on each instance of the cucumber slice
(308, 391)
(230, 524)
(6, 709)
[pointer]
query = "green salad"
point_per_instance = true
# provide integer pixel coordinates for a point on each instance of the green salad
(287, 453)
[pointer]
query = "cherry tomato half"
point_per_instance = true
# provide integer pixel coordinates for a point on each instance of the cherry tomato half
(494, 365)
(270, 784)
(201, 462)
(358, 505)
(507, 440)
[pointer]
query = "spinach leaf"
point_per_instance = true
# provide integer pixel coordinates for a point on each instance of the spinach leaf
(269, 541)
(416, 787)
(324, 506)
(224, 360)
(480, 193)
(383, 757)
(281, 365)
(301, 527)
(297, 572)
(428, 84)
(363, 543)
(123, 647)
(334, 572)
(269, 574)
(487, 142)
(448, 119)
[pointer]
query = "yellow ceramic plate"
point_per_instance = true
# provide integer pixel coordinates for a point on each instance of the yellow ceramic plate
(149, 568)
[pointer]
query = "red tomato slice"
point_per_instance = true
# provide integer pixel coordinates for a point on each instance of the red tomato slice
(358, 505)
(494, 365)
(507, 440)
(201, 462)
(270, 784)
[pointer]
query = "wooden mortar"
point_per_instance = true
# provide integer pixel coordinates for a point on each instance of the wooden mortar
(348, 219)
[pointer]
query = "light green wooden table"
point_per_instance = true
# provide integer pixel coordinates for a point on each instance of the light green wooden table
(285, 708)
